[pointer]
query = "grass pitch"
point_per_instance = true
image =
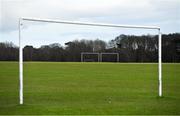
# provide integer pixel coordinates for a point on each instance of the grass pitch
(89, 88)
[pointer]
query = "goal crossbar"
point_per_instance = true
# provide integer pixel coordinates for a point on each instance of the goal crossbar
(88, 24)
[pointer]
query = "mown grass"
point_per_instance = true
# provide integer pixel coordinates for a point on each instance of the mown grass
(89, 88)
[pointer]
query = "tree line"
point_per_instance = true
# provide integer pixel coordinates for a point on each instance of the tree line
(131, 48)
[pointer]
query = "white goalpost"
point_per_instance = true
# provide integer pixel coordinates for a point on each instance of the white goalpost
(87, 24)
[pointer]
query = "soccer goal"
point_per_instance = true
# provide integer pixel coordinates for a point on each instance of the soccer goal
(115, 59)
(89, 57)
(21, 20)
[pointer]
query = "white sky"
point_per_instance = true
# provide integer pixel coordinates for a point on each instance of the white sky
(163, 13)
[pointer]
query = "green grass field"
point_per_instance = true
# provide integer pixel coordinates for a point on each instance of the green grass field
(89, 88)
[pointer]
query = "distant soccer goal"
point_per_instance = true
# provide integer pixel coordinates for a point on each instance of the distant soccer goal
(90, 57)
(109, 57)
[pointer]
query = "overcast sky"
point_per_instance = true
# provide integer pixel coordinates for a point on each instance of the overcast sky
(163, 13)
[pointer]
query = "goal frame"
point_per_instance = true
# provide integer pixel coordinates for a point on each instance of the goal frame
(89, 53)
(109, 53)
(87, 24)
